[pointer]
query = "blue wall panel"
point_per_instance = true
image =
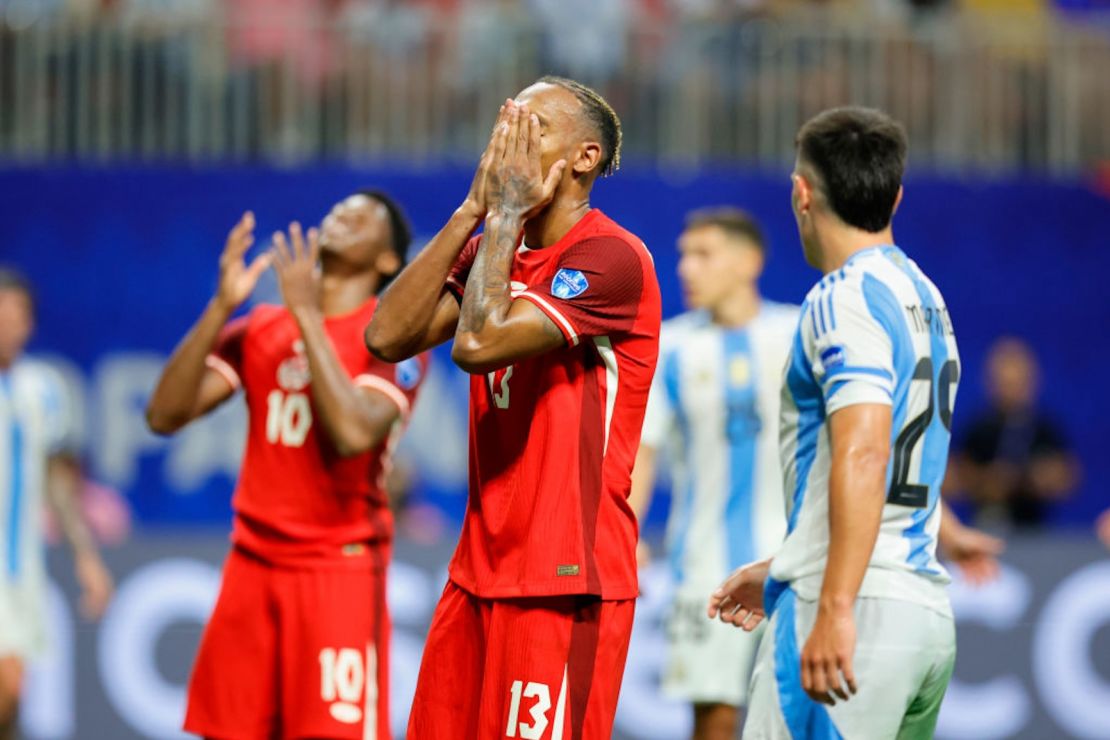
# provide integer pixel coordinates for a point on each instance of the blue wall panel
(124, 259)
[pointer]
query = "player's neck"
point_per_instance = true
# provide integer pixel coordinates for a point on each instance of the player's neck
(841, 244)
(738, 309)
(555, 221)
(341, 294)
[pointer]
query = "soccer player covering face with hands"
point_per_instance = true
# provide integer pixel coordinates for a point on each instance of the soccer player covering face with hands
(861, 640)
(297, 646)
(559, 330)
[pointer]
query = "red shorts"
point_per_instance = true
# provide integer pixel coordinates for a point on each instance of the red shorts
(293, 652)
(543, 668)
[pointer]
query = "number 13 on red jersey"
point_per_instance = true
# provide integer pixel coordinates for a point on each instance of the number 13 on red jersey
(499, 386)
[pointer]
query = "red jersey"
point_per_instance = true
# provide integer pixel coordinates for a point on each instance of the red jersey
(553, 438)
(297, 497)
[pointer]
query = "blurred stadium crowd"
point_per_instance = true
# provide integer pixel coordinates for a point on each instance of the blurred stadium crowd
(996, 85)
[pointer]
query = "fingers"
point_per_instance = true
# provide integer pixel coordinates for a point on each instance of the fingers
(283, 255)
(739, 615)
(297, 237)
(553, 178)
(314, 245)
(821, 679)
(280, 252)
(502, 116)
(754, 619)
(818, 688)
(259, 264)
(500, 140)
(513, 134)
(524, 134)
(807, 677)
(534, 135)
(832, 677)
(713, 608)
(241, 236)
(849, 674)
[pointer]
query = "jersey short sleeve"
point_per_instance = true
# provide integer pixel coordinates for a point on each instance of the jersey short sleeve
(226, 357)
(399, 382)
(595, 289)
(849, 347)
(456, 279)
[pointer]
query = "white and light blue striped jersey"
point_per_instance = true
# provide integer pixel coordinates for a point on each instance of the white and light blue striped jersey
(875, 331)
(714, 407)
(32, 425)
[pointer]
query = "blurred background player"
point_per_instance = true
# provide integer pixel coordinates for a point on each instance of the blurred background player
(560, 335)
(298, 641)
(1014, 463)
(32, 431)
(715, 398)
(862, 640)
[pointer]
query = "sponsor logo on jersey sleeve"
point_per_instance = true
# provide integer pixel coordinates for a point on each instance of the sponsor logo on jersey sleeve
(408, 373)
(832, 357)
(569, 283)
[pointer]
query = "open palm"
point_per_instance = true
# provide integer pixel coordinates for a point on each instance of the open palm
(237, 278)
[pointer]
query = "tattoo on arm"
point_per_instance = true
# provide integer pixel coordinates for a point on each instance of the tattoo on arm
(488, 288)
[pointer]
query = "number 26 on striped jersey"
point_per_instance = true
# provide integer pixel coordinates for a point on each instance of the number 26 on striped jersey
(499, 386)
(538, 713)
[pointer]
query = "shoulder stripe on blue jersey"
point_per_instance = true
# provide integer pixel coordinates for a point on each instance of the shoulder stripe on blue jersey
(832, 309)
(858, 370)
(834, 389)
(821, 312)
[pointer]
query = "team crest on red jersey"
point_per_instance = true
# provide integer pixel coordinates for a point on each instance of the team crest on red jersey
(292, 373)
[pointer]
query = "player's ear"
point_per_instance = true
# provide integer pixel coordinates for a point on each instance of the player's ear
(897, 200)
(588, 159)
(802, 194)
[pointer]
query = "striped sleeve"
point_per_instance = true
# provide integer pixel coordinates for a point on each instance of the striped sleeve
(397, 382)
(227, 357)
(849, 350)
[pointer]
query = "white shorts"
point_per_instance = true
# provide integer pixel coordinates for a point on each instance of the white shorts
(903, 661)
(708, 662)
(22, 619)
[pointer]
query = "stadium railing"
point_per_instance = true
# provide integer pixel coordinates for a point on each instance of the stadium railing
(978, 94)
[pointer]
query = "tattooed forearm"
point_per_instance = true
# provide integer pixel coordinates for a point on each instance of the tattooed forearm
(487, 293)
